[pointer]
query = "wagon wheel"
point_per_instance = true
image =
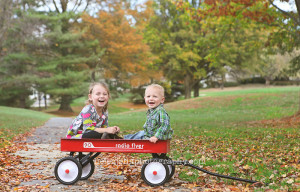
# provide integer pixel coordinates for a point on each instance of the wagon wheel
(87, 170)
(155, 172)
(170, 165)
(171, 168)
(68, 170)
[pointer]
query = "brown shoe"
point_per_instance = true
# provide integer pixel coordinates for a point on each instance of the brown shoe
(110, 136)
(117, 136)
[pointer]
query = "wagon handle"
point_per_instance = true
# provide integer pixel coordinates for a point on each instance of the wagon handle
(186, 163)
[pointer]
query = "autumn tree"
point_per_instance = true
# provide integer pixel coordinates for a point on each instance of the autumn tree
(235, 31)
(288, 38)
(177, 45)
(118, 29)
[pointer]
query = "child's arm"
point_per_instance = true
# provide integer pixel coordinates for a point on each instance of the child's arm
(104, 127)
(88, 124)
(111, 130)
(164, 131)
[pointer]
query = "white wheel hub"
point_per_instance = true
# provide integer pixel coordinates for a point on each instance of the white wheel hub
(67, 171)
(155, 172)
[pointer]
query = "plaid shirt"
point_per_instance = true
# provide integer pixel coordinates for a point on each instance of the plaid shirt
(158, 124)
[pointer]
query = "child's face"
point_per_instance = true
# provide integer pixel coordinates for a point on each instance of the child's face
(99, 96)
(153, 97)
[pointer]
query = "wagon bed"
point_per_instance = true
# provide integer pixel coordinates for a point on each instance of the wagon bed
(114, 146)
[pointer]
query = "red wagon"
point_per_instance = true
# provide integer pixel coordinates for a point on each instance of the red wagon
(155, 171)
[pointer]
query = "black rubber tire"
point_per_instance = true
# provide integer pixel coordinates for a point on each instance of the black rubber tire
(171, 172)
(72, 161)
(91, 163)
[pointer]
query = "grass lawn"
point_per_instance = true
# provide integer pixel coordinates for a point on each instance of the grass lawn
(223, 132)
(15, 121)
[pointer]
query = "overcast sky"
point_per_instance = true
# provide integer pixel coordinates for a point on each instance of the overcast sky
(283, 5)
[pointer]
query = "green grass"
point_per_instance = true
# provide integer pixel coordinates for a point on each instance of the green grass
(219, 131)
(15, 121)
(79, 103)
(220, 110)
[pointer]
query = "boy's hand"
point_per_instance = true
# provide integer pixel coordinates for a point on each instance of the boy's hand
(153, 139)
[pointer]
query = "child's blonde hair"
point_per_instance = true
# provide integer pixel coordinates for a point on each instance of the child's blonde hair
(157, 86)
(104, 85)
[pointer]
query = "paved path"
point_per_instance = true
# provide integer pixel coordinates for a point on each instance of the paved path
(44, 151)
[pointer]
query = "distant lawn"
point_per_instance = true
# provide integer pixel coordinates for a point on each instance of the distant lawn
(219, 110)
(15, 121)
(115, 106)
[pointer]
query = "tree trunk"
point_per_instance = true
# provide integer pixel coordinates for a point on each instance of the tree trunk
(268, 81)
(22, 102)
(39, 100)
(65, 104)
(45, 100)
(196, 89)
(187, 86)
(93, 76)
(222, 81)
(298, 113)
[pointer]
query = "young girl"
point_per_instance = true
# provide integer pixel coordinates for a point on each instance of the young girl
(93, 119)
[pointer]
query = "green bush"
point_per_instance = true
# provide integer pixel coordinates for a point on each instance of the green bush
(253, 80)
(285, 83)
(231, 84)
(171, 92)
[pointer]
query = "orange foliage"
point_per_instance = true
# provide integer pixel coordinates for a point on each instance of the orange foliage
(226, 8)
(120, 35)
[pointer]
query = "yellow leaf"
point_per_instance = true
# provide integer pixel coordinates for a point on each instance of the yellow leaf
(246, 167)
(290, 181)
(189, 173)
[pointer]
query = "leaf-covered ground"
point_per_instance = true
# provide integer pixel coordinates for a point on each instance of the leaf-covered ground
(277, 165)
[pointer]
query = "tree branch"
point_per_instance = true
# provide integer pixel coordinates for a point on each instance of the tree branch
(45, 4)
(296, 21)
(297, 2)
(57, 10)
(87, 4)
(75, 4)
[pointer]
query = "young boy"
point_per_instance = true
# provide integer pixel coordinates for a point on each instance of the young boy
(157, 126)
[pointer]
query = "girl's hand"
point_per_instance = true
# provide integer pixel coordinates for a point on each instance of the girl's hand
(117, 129)
(153, 139)
(113, 130)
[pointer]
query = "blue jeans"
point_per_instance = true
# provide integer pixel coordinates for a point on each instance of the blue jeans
(138, 135)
